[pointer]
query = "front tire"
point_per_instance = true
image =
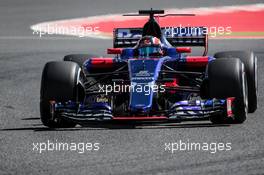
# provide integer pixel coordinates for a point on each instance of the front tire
(227, 78)
(59, 83)
(250, 62)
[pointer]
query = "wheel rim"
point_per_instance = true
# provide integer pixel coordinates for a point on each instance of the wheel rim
(256, 74)
(245, 92)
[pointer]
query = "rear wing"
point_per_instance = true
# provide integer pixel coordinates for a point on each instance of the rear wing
(176, 36)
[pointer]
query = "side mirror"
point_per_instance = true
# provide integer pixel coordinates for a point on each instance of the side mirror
(114, 51)
(184, 49)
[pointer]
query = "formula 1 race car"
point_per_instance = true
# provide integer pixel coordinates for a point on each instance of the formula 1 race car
(151, 77)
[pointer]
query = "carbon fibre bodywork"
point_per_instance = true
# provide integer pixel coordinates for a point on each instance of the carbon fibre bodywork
(176, 83)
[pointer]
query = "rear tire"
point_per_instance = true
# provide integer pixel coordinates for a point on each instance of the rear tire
(250, 63)
(59, 83)
(227, 78)
(77, 58)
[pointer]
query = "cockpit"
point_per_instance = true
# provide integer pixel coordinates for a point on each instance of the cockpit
(149, 46)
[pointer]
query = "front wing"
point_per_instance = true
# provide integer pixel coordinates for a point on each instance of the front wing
(180, 111)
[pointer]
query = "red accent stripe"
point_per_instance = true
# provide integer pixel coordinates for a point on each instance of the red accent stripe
(184, 49)
(114, 50)
(102, 62)
(229, 104)
(141, 118)
(197, 61)
(172, 83)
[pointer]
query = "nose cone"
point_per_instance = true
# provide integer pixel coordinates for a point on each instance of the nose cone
(143, 76)
(141, 96)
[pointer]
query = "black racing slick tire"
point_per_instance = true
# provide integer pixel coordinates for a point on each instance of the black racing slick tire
(227, 78)
(250, 63)
(77, 58)
(59, 83)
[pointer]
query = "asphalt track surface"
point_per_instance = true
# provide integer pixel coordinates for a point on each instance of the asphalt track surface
(122, 150)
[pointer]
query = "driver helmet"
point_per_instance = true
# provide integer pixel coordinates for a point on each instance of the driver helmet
(149, 46)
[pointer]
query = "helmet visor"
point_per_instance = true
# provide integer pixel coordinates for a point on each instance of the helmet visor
(149, 51)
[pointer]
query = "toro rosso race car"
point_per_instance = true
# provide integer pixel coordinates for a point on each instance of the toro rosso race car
(151, 77)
